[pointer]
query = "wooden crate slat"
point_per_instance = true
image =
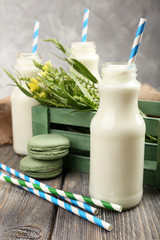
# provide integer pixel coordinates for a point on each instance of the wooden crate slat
(149, 177)
(78, 141)
(77, 163)
(70, 117)
(152, 126)
(150, 151)
(150, 165)
(149, 107)
(40, 120)
(158, 165)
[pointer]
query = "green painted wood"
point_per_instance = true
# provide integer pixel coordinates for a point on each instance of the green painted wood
(150, 151)
(149, 107)
(71, 117)
(150, 165)
(79, 141)
(152, 126)
(40, 120)
(149, 178)
(158, 164)
(77, 163)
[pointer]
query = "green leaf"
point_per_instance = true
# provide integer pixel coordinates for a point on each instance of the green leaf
(58, 45)
(84, 91)
(37, 65)
(19, 85)
(80, 68)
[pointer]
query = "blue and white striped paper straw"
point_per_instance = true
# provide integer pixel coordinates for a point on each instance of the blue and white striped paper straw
(137, 40)
(81, 205)
(60, 203)
(62, 193)
(85, 25)
(30, 185)
(35, 37)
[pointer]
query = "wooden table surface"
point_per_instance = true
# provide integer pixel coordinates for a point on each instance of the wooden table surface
(26, 216)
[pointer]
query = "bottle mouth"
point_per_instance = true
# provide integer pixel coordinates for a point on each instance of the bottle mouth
(119, 65)
(79, 44)
(84, 47)
(113, 72)
(116, 67)
(28, 55)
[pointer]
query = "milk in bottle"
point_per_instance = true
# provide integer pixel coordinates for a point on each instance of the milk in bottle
(117, 138)
(21, 105)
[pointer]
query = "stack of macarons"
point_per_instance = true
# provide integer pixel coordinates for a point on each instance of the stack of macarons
(45, 153)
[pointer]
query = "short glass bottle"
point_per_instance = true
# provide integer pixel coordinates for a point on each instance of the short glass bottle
(21, 105)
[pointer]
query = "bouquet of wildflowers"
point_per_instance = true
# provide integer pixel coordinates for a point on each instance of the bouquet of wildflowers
(55, 87)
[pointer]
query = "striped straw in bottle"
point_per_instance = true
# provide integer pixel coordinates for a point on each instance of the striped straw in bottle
(35, 37)
(85, 25)
(137, 40)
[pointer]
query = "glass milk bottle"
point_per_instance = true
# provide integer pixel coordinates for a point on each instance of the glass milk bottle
(85, 52)
(21, 105)
(117, 138)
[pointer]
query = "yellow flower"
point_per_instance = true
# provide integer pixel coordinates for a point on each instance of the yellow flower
(33, 80)
(38, 78)
(43, 73)
(45, 68)
(47, 65)
(33, 87)
(42, 95)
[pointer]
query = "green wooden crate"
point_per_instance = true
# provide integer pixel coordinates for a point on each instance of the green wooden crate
(75, 126)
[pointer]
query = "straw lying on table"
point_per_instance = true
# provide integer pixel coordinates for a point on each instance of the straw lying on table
(42, 187)
(59, 203)
(29, 185)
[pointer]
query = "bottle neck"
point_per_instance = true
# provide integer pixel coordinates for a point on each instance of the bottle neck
(27, 58)
(119, 89)
(118, 73)
(25, 66)
(83, 49)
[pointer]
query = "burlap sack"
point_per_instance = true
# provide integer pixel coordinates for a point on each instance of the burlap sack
(5, 121)
(146, 93)
(149, 93)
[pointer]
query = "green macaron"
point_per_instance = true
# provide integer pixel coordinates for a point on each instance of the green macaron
(41, 169)
(48, 146)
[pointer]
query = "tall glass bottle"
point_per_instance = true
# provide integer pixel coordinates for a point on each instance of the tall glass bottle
(117, 138)
(21, 105)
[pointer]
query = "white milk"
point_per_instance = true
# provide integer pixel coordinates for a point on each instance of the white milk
(22, 105)
(117, 139)
(85, 52)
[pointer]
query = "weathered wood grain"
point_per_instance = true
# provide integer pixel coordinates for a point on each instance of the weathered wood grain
(22, 214)
(140, 223)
